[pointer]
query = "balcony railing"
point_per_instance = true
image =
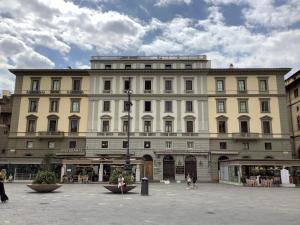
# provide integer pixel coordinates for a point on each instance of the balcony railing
(245, 135)
(75, 92)
(71, 152)
(51, 134)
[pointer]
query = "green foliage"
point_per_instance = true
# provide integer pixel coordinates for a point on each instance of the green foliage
(45, 177)
(115, 175)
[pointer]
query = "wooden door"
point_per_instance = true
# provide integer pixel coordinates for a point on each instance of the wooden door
(168, 168)
(148, 170)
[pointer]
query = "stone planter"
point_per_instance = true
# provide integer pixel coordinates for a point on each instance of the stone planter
(44, 188)
(114, 188)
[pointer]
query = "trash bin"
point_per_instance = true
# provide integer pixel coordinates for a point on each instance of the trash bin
(145, 186)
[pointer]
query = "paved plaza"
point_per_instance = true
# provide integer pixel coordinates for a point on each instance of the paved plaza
(167, 204)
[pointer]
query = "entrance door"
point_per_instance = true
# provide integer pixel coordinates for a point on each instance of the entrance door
(190, 166)
(168, 168)
(148, 167)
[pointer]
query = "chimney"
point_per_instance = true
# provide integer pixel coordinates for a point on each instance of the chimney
(230, 65)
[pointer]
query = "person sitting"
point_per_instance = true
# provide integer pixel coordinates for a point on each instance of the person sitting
(10, 178)
(121, 183)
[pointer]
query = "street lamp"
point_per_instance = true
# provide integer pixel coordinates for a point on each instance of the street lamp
(127, 165)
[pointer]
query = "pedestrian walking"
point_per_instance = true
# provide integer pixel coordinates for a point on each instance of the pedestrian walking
(188, 180)
(4, 197)
(194, 181)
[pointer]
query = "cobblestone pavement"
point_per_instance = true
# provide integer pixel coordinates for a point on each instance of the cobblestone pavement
(89, 204)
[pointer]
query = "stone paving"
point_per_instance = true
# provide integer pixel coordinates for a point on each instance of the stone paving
(89, 204)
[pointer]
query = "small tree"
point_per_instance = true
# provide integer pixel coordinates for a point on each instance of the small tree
(115, 175)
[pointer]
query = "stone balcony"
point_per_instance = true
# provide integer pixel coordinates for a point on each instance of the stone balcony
(51, 134)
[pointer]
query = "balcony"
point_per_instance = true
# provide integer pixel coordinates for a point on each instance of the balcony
(51, 134)
(75, 92)
(35, 92)
(245, 136)
(71, 152)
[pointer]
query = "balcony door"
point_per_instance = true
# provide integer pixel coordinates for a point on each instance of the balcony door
(244, 127)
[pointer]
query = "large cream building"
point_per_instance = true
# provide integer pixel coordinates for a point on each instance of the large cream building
(185, 117)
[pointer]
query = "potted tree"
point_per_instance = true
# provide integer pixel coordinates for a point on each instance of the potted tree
(113, 182)
(45, 180)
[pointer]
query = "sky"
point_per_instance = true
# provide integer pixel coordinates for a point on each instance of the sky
(62, 33)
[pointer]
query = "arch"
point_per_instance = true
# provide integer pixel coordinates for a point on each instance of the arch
(244, 117)
(190, 165)
(168, 117)
(189, 117)
(52, 116)
(223, 157)
(168, 167)
(269, 157)
(266, 118)
(74, 117)
(31, 116)
(147, 117)
(106, 117)
(222, 118)
(125, 117)
(148, 167)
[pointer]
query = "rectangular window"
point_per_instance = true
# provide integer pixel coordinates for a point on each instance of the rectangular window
(241, 85)
(75, 105)
(221, 106)
(245, 145)
(223, 145)
(125, 144)
(53, 105)
(35, 85)
(107, 67)
(125, 126)
(220, 85)
(190, 144)
(105, 125)
(168, 106)
(126, 106)
(148, 66)
(29, 144)
(126, 85)
(243, 107)
(147, 144)
(31, 126)
(189, 126)
(189, 106)
(168, 126)
(264, 106)
(33, 105)
(168, 144)
(244, 126)
(72, 144)
(266, 126)
(168, 85)
(74, 125)
(52, 125)
(147, 126)
(104, 144)
(222, 126)
(106, 106)
(188, 85)
(148, 86)
(76, 85)
(147, 106)
(296, 93)
(263, 85)
(127, 67)
(107, 86)
(51, 144)
(168, 66)
(268, 146)
(188, 66)
(55, 85)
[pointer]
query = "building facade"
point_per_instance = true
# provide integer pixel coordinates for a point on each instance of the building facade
(292, 85)
(5, 118)
(184, 117)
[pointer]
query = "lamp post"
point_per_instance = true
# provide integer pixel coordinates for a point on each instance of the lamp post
(127, 165)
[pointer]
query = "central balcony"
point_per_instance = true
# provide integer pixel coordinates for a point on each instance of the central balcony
(71, 152)
(51, 134)
(245, 136)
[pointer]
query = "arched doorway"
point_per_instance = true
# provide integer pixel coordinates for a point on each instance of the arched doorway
(223, 157)
(191, 166)
(148, 167)
(168, 168)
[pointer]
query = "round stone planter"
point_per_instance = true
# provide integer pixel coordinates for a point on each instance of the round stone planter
(114, 188)
(44, 188)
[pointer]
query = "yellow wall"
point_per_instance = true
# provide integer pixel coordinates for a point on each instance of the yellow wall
(44, 102)
(232, 110)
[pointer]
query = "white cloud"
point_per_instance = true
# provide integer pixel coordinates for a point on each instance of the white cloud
(163, 3)
(226, 44)
(267, 13)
